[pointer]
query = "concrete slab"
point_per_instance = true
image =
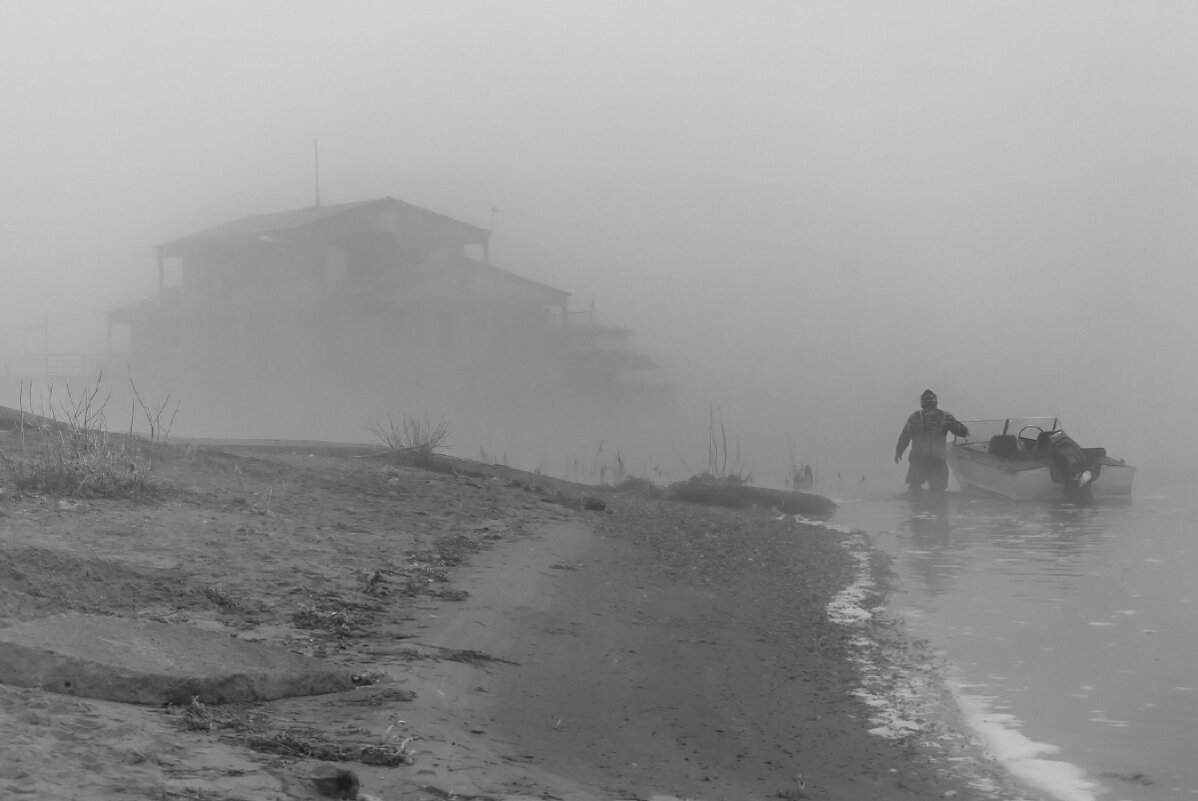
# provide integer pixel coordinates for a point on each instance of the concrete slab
(146, 662)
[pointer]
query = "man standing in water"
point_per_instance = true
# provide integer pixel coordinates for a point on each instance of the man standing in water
(925, 431)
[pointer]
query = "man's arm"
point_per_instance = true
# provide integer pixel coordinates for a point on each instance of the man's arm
(956, 426)
(903, 441)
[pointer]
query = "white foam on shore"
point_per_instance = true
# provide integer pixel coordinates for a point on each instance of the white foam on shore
(1021, 756)
(894, 695)
(848, 605)
(819, 524)
(909, 697)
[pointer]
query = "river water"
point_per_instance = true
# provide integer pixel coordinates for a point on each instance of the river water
(1071, 633)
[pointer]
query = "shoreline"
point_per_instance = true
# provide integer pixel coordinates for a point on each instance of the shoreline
(798, 734)
(987, 639)
(659, 649)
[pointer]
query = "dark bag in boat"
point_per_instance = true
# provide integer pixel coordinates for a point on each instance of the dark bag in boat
(1003, 446)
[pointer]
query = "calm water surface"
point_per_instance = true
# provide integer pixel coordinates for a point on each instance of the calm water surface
(1072, 633)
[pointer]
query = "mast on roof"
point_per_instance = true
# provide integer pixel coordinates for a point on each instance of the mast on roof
(316, 156)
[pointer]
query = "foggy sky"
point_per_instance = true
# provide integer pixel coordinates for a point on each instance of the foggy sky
(811, 211)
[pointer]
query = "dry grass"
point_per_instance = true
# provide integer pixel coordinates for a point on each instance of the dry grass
(67, 450)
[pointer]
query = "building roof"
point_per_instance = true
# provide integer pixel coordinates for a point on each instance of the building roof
(259, 225)
(558, 295)
(432, 271)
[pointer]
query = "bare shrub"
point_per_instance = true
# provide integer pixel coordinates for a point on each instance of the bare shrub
(154, 412)
(417, 437)
(718, 470)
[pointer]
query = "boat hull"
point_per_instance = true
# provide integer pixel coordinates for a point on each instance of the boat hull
(975, 469)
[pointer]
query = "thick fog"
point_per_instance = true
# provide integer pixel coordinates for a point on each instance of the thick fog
(810, 212)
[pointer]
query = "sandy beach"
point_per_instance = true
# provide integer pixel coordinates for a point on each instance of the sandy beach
(507, 641)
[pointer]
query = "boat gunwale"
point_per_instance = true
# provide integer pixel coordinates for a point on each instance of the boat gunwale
(972, 451)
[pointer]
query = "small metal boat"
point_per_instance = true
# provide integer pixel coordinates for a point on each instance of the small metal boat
(1032, 458)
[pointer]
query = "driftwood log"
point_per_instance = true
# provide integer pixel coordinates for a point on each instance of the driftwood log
(740, 496)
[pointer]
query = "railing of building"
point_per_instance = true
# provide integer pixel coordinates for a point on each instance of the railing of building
(45, 367)
(584, 317)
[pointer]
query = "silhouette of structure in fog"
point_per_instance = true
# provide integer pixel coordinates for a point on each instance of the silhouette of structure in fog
(375, 306)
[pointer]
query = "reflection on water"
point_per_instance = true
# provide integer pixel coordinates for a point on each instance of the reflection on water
(930, 531)
(1077, 623)
(942, 536)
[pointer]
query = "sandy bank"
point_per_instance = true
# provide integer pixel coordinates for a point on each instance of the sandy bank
(511, 644)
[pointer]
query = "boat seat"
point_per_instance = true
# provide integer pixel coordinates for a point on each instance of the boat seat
(1003, 446)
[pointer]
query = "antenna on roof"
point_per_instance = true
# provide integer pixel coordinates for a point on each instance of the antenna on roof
(487, 241)
(316, 155)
